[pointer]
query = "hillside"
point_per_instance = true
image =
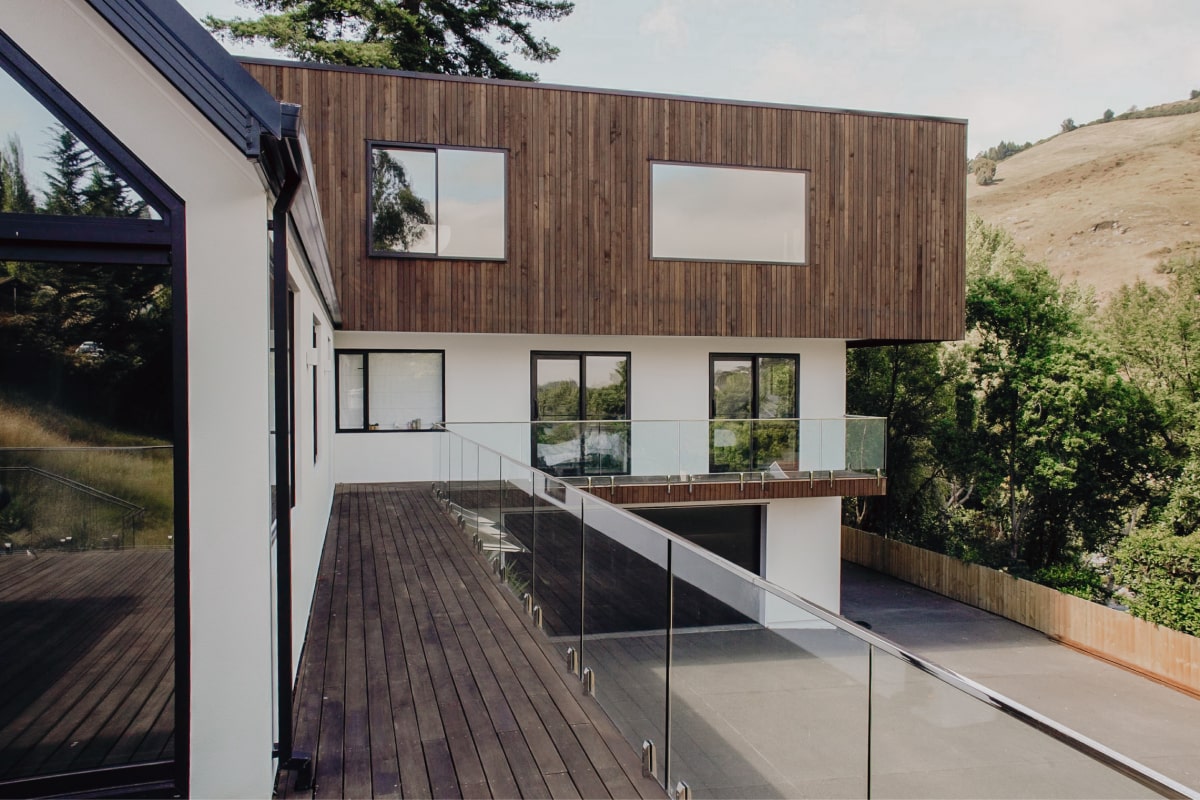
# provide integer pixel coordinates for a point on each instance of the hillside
(1103, 204)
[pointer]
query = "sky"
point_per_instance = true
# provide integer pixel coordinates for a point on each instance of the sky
(1015, 69)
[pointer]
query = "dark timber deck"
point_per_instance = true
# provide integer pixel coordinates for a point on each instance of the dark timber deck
(420, 677)
(86, 660)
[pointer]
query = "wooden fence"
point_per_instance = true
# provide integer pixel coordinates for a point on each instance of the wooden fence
(1161, 653)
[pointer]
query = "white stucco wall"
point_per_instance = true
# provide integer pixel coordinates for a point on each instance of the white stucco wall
(487, 380)
(227, 256)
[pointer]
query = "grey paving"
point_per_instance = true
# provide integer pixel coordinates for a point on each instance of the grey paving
(1134, 715)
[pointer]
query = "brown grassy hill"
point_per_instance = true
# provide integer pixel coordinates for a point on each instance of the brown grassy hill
(1103, 204)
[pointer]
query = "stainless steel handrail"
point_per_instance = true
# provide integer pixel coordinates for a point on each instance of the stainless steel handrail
(1165, 786)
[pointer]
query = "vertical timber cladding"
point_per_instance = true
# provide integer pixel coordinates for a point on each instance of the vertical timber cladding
(886, 211)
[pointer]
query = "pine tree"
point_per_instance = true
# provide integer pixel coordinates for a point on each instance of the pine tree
(453, 37)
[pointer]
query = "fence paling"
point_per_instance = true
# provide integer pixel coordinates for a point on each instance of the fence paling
(1167, 655)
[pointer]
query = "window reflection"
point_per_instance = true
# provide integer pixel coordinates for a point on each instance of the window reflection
(581, 408)
(729, 214)
(445, 202)
(86, 518)
(46, 169)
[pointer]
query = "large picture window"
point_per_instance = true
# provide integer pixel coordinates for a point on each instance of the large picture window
(93, 460)
(389, 390)
(709, 213)
(762, 390)
(581, 411)
(438, 202)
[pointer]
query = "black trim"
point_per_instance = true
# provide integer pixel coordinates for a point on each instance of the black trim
(179, 47)
(114, 242)
(373, 144)
(285, 464)
(366, 421)
(559, 87)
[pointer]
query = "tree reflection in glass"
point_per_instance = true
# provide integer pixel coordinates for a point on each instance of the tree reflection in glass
(403, 200)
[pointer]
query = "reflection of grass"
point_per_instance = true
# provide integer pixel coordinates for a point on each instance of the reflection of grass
(44, 511)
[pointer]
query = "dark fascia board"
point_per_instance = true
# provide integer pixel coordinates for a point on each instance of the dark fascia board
(179, 47)
(277, 62)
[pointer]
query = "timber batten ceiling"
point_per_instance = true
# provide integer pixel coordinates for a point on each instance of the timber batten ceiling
(886, 213)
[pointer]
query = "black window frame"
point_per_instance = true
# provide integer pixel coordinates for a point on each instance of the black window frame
(755, 359)
(365, 353)
(580, 356)
(114, 243)
(372, 144)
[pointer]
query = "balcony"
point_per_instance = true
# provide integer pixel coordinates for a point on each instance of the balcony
(655, 461)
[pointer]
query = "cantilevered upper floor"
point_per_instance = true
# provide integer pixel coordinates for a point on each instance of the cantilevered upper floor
(466, 205)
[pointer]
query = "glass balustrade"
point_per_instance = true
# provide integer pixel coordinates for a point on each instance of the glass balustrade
(734, 686)
(600, 453)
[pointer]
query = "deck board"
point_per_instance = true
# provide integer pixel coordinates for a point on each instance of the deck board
(89, 651)
(420, 669)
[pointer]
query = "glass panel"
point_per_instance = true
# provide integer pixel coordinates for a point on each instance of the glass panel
(626, 611)
(750, 672)
(730, 449)
(518, 525)
(775, 446)
(929, 739)
(470, 203)
(557, 392)
(557, 573)
(866, 443)
(607, 387)
(733, 388)
(606, 448)
(350, 391)
(73, 181)
(776, 387)
(86, 519)
(728, 213)
(403, 200)
(405, 390)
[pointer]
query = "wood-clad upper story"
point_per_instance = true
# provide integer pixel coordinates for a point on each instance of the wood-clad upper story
(885, 234)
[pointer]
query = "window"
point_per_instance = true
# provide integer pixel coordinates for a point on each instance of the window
(389, 390)
(576, 398)
(316, 391)
(712, 213)
(437, 201)
(761, 389)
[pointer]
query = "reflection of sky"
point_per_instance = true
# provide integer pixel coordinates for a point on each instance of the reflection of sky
(471, 203)
(24, 117)
(721, 213)
(28, 120)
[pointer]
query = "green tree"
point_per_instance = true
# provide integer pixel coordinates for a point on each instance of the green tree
(453, 37)
(1065, 437)
(15, 194)
(1108, 115)
(1068, 125)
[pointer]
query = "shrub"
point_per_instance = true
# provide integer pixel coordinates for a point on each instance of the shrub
(1163, 573)
(1068, 125)
(1108, 115)
(985, 171)
(1195, 95)
(1077, 579)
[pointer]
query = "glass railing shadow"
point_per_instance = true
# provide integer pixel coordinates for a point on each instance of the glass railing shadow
(736, 687)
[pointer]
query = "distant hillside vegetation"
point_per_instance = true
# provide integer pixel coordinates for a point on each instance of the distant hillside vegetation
(1106, 202)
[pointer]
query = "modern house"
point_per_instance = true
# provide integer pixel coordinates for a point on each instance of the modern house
(648, 296)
